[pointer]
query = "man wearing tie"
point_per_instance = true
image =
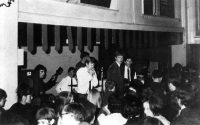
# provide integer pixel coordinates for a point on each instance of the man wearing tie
(68, 82)
(127, 69)
(128, 72)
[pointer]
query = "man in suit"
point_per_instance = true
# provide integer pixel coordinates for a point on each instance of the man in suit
(115, 73)
(128, 73)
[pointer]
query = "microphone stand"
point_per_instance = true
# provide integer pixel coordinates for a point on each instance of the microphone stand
(102, 79)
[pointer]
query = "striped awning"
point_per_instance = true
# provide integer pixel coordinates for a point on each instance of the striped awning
(32, 35)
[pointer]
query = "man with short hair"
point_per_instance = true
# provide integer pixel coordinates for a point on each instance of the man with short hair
(115, 72)
(128, 73)
(157, 86)
(72, 114)
(67, 83)
(84, 56)
(86, 77)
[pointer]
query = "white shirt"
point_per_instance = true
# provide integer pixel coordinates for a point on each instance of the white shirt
(118, 64)
(84, 78)
(63, 85)
(126, 72)
(112, 119)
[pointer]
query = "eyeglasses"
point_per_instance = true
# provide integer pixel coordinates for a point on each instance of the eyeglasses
(68, 114)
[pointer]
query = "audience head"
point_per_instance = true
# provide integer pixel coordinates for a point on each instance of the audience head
(172, 75)
(178, 67)
(41, 71)
(84, 55)
(90, 110)
(46, 116)
(94, 97)
(71, 71)
(110, 86)
(9, 118)
(64, 98)
(24, 94)
(3, 97)
(155, 103)
(153, 106)
(128, 61)
(90, 63)
(157, 76)
(72, 114)
(119, 57)
(132, 106)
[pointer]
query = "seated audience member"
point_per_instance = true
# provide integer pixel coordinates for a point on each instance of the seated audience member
(46, 116)
(84, 56)
(133, 110)
(171, 107)
(115, 117)
(133, 107)
(190, 113)
(64, 98)
(87, 78)
(68, 82)
(94, 97)
(3, 97)
(72, 114)
(109, 90)
(48, 100)
(178, 67)
(9, 118)
(23, 105)
(152, 109)
(90, 111)
(156, 85)
(179, 98)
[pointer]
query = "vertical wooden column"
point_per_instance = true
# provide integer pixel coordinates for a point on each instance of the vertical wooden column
(98, 35)
(30, 35)
(121, 42)
(139, 39)
(113, 36)
(79, 38)
(106, 42)
(8, 51)
(44, 38)
(89, 38)
(57, 38)
(70, 39)
(146, 39)
(151, 38)
(127, 39)
(155, 39)
(134, 39)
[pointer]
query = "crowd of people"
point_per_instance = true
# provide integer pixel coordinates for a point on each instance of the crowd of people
(132, 96)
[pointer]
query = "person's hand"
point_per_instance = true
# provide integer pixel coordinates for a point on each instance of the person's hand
(53, 78)
(91, 72)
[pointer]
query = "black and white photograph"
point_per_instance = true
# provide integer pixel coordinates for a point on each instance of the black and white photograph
(100, 62)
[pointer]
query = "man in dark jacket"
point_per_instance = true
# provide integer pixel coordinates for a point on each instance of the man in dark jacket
(115, 73)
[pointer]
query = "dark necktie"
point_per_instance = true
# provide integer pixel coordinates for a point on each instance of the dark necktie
(128, 74)
(90, 87)
(71, 84)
